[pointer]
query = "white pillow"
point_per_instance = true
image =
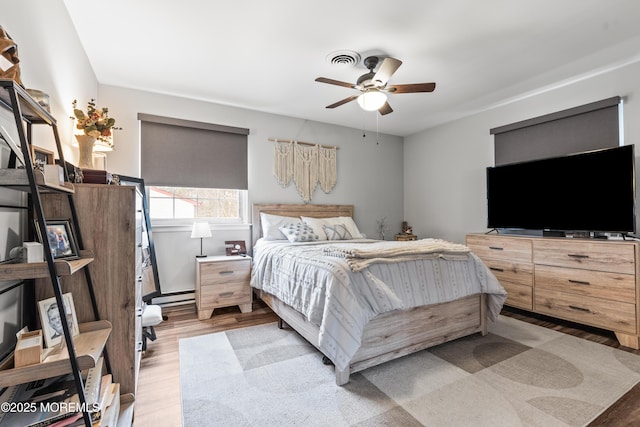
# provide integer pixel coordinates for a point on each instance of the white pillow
(299, 232)
(272, 223)
(318, 223)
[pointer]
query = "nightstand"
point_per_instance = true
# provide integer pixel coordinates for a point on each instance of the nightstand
(405, 237)
(222, 281)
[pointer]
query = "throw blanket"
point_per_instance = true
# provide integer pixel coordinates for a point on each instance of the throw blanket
(341, 301)
(361, 255)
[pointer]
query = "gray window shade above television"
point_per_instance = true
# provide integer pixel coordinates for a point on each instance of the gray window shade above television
(183, 153)
(588, 127)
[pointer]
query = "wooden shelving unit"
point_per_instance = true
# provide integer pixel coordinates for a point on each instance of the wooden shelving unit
(88, 346)
(83, 351)
(38, 270)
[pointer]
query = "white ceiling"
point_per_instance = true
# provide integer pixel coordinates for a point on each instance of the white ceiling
(264, 55)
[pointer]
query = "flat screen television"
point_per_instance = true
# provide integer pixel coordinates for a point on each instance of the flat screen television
(592, 191)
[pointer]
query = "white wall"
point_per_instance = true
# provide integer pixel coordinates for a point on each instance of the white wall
(53, 60)
(369, 174)
(445, 166)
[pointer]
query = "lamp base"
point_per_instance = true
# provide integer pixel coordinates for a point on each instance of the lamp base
(201, 256)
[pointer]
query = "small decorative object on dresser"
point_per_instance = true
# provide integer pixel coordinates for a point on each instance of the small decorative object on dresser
(222, 281)
(235, 247)
(95, 126)
(405, 237)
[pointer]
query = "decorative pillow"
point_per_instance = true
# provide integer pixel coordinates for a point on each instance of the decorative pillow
(272, 223)
(347, 221)
(299, 232)
(337, 232)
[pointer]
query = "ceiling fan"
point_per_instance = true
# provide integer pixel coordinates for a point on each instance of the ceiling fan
(373, 86)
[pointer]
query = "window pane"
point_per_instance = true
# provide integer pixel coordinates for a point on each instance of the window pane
(183, 203)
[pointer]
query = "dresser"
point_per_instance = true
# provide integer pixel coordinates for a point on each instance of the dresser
(588, 281)
(222, 281)
(109, 221)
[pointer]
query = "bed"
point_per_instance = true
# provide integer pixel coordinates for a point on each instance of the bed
(387, 332)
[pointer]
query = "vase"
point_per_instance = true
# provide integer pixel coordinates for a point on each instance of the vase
(85, 151)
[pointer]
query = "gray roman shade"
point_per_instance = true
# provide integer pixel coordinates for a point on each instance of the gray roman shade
(588, 127)
(183, 153)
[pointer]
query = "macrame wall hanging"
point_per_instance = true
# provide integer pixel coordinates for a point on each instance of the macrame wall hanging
(306, 164)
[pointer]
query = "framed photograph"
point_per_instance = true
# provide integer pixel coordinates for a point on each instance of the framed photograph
(235, 247)
(51, 319)
(62, 238)
(41, 157)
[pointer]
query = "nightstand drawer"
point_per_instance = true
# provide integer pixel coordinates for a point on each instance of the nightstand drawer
(221, 295)
(225, 272)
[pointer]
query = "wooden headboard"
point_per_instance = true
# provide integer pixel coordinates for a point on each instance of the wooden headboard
(297, 210)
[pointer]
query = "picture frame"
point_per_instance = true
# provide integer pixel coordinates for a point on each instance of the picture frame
(235, 247)
(62, 238)
(50, 319)
(41, 157)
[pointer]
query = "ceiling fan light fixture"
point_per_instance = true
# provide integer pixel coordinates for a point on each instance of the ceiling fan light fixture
(372, 100)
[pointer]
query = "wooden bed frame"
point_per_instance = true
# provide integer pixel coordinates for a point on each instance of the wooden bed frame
(389, 335)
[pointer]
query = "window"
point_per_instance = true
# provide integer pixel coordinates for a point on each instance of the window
(182, 160)
(220, 205)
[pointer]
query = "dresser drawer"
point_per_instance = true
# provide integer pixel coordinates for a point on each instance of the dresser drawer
(519, 296)
(504, 248)
(224, 294)
(225, 272)
(509, 272)
(606, 314)
(597, 284)
(597, 256)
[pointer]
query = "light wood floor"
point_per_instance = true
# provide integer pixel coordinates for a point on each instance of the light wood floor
(158, 396)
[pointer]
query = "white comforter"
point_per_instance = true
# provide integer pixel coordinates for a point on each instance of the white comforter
(323, 287)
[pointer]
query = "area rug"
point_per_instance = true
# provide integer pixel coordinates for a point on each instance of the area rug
(517, 375)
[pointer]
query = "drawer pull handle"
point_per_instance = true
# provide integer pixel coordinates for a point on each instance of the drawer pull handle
(496, 269)
(575, 307)
(227, 272)
(579, 282)
(226, 294)
(578, 256)
(496, 248)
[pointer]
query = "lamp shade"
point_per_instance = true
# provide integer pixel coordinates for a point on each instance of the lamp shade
(372, 100)
(200, 230)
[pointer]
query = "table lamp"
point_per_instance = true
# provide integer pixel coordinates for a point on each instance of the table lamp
(200, 230)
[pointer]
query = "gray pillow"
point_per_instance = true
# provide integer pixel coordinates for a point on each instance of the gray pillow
(298, 232)
(337, 232)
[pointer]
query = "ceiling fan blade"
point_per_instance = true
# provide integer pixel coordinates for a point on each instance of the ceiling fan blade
(335, 82)
(343, 101)
(386, 70)
(385, 109)
(412, 88)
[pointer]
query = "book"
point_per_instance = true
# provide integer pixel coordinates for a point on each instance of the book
(112, 410)
(39, 403)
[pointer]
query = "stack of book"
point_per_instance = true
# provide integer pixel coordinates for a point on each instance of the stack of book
(54, 402)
